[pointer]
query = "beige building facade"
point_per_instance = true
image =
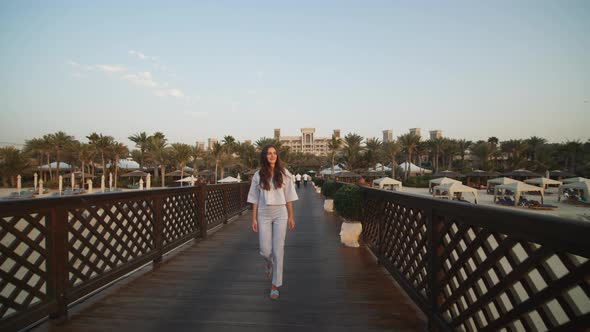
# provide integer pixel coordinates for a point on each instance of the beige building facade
(308, 142)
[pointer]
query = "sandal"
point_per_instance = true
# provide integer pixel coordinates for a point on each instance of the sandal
(274, 294)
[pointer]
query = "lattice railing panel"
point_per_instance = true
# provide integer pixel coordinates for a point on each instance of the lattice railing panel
(23, 263)
(234, 202)
(404, 243)
(371, 211)
(494, 281)
(180, 216)
(102, 237)
(214, 203)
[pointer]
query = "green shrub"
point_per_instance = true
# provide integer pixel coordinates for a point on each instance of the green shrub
(417, 181)
(319, 182)
(347, 202)
(329, 188)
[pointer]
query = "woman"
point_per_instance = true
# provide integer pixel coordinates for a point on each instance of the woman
(271, 194)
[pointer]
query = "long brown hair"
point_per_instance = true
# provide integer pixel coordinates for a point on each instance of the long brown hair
(265, 176)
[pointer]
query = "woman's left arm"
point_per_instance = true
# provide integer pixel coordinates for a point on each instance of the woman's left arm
(291, 220)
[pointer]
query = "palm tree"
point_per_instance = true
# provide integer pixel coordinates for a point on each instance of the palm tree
(483, 150)
(102, 145)
(261, 142)
(436, 147)
(463, 146)
(182, 153)
(573, 148)
(217, 151)
(334, 145)
(85, 154)
(534, 143)
(36, 148)
(157, 153)
(409, 143)
(12, 163)
(48, 150)
(515, 149)
(391, 149)
(141, 141)
(352, 149)
(373, 150)
(118, 150)
(60, 142)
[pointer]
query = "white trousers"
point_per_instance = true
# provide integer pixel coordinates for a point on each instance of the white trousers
(272, 230)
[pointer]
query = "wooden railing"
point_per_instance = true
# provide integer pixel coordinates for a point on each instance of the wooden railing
(54, 251)
(476, 268)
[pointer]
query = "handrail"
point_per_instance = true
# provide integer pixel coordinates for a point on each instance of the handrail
(57, 250)
(480, 268)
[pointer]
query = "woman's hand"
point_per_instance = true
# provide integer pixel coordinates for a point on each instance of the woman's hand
(255, 226)
(291, 223)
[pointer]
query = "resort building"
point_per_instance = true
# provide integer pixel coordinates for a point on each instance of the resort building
(387, 136)
(307, 142)
(435, 134)
(415, 131)
(201, 145)
(211, 142)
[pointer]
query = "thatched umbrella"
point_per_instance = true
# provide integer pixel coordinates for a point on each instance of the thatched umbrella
(135, 174)
(479, 174)
(346, 175)
(559, 174)
(522, 173)
(250, 172)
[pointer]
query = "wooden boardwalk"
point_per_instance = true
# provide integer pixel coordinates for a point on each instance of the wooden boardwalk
(219, 285)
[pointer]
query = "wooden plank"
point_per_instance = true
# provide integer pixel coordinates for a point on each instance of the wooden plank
(219, 285)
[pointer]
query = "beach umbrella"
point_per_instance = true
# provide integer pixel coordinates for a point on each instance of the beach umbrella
(148, 181)
(73, 179)
(110, 181)
(102, 183)
(18, 183)
(40, 187)
(140, 184)
(61, 184)
(89, 182)
(35, 181)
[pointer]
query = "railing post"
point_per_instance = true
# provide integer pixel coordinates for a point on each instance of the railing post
(159, 227)
(58, 261)
(435, 248)
(202, 206)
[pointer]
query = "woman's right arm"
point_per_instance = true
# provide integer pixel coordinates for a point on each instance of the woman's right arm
(255, 217)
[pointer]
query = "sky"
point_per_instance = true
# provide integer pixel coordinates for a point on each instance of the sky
(200, 69)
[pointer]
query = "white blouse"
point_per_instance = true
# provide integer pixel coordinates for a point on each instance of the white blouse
(274, 196)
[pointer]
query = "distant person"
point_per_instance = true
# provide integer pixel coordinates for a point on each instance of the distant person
(305, 179)
(298, 180)
(271, 194)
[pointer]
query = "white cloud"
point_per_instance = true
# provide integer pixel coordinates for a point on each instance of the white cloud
(142, 78)
(73, 63)
(196, 114)
(169, 93)
(111, 68)
(77, 75)
(143, 56)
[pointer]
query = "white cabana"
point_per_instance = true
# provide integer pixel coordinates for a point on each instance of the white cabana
(441, 181)
(449, 190)
(229, 179)
(498, 181)
(187, 179)
(516, 189)
(380, 167)
(583, 187)
(574, 180)
(387, 183)
(328, 171)
(414, 169)
(543, 182)
(62, 166)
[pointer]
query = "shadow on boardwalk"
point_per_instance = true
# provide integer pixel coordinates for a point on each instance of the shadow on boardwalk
(219, 285)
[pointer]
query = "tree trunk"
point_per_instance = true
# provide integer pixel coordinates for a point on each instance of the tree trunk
(163, 171)
(216, 163)
(393, 167)
(50, 169)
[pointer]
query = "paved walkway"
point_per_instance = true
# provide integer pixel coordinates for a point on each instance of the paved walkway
(219, 285)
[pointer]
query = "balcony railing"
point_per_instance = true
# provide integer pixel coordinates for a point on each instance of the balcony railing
(55, 251)
(476, 268)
